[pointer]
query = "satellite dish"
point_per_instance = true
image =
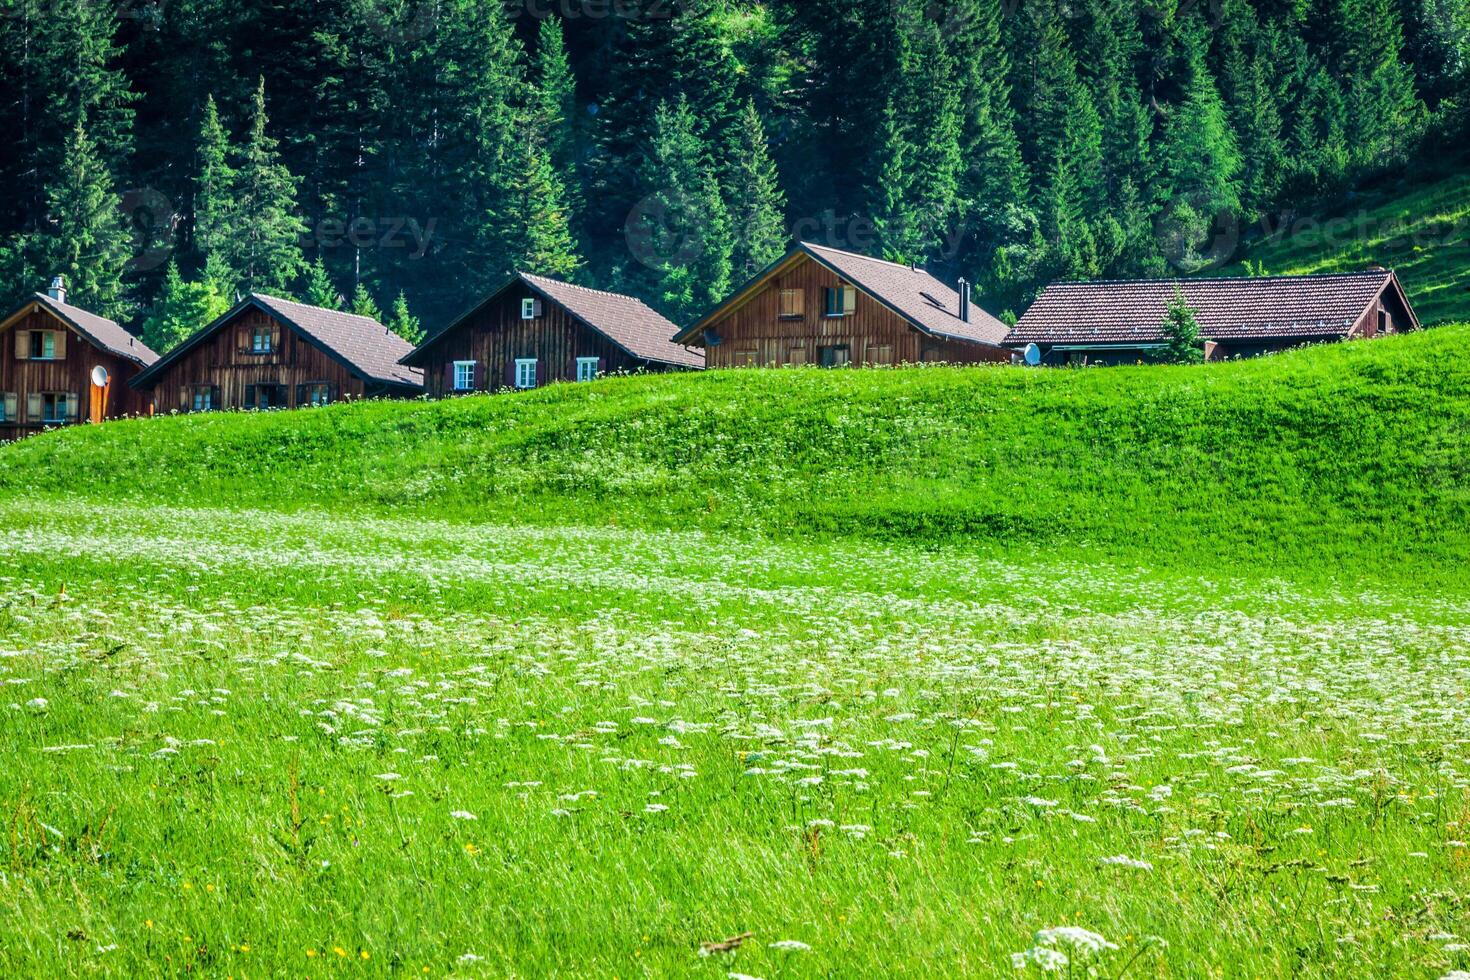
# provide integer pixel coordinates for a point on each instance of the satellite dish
(100, 377)
(1032, 354)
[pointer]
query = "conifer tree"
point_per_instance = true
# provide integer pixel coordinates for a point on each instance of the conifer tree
(265, 231)
(1384, 110)
(555, 113)
(682, 231)
(758, 205)
(319, 288)
(404, 323)
(85, 237)
(536, 221)
(893, 218)
(1181, 333)
(214, 188)
(182, 309)
(363, 304)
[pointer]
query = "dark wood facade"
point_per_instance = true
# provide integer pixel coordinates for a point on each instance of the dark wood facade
(494, 337)
(37, 393)
(785, 323)
(239, 371)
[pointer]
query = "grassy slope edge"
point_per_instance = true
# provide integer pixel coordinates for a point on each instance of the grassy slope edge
(1353, 454)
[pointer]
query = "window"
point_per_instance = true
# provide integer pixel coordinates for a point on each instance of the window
(1385, 322)
(202, 398)
(841, 300)
(43, 345)
(262, 339)
(315, 395)
(54, 408)
(797, 357)
(7, 407)
(747, 358)
(836, 356)
(530, 308)
(264, 397)
(526, 372)
(793, 304)
(880, 354)
(587, 368)
(464, 375)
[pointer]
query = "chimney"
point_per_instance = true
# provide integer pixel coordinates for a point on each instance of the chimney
(58, 289)
(964, 300)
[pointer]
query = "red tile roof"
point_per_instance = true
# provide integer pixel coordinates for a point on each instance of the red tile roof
(371, 349)
(1261, 308)
(626, 321)
(102, 332)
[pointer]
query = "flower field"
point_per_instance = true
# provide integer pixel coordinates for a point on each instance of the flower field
(250, 744)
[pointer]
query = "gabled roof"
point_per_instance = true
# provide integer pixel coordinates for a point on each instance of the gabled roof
(625, 320)
(1262, 308)
(360, 344)
(927, 304)
(100, 331)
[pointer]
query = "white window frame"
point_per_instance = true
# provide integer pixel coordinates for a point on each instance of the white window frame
(201, 398)
(587, 368)
(312, 388)
(459, 368)
(525, 373)
(530, 308)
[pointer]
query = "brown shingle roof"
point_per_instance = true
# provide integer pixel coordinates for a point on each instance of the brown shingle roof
(926, 303)
(1267, 307)
(363, 345)
(913, 294)
(102, 332)
(628, 322)
(369, 348)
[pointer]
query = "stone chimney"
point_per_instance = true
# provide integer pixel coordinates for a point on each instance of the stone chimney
(964, 300)
(58, 289)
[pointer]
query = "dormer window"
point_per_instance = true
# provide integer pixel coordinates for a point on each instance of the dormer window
(530, 308)
(841, 300)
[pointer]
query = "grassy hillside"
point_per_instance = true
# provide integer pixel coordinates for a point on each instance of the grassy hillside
(1341, 453)
(1423, 234)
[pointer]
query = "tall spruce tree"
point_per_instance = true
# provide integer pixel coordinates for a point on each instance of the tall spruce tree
(363, 304)
(320, 290)
(758, 205)
(214, 188)
(264, 245)
(536, 222)
(681, 231)
(85, 237)
(1181, 333)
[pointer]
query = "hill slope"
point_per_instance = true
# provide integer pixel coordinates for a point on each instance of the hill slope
(1423, 234)
(1354, 453)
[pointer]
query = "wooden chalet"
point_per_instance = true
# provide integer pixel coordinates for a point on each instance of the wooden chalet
(1122, 322)
(270, 353)
(50, 356)
(831, 308)
(534, 331)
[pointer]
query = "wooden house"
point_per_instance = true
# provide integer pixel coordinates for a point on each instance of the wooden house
(270, 353)
(52, 355)
(1122, 322)
(831, 308)
(534, 331)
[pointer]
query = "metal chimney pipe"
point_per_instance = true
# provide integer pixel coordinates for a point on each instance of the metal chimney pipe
(964, 300)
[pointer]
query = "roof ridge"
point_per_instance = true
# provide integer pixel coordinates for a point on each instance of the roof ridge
(1295, 277)
(322, 309)
(585, 289)
(917, 270)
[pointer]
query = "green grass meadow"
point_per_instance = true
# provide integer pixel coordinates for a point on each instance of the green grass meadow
(934, 672)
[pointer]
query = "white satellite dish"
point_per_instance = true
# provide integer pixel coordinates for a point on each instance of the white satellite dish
(1032, 354)
(100, 377)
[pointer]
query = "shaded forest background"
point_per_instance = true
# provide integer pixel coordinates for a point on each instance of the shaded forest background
(401, 157)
